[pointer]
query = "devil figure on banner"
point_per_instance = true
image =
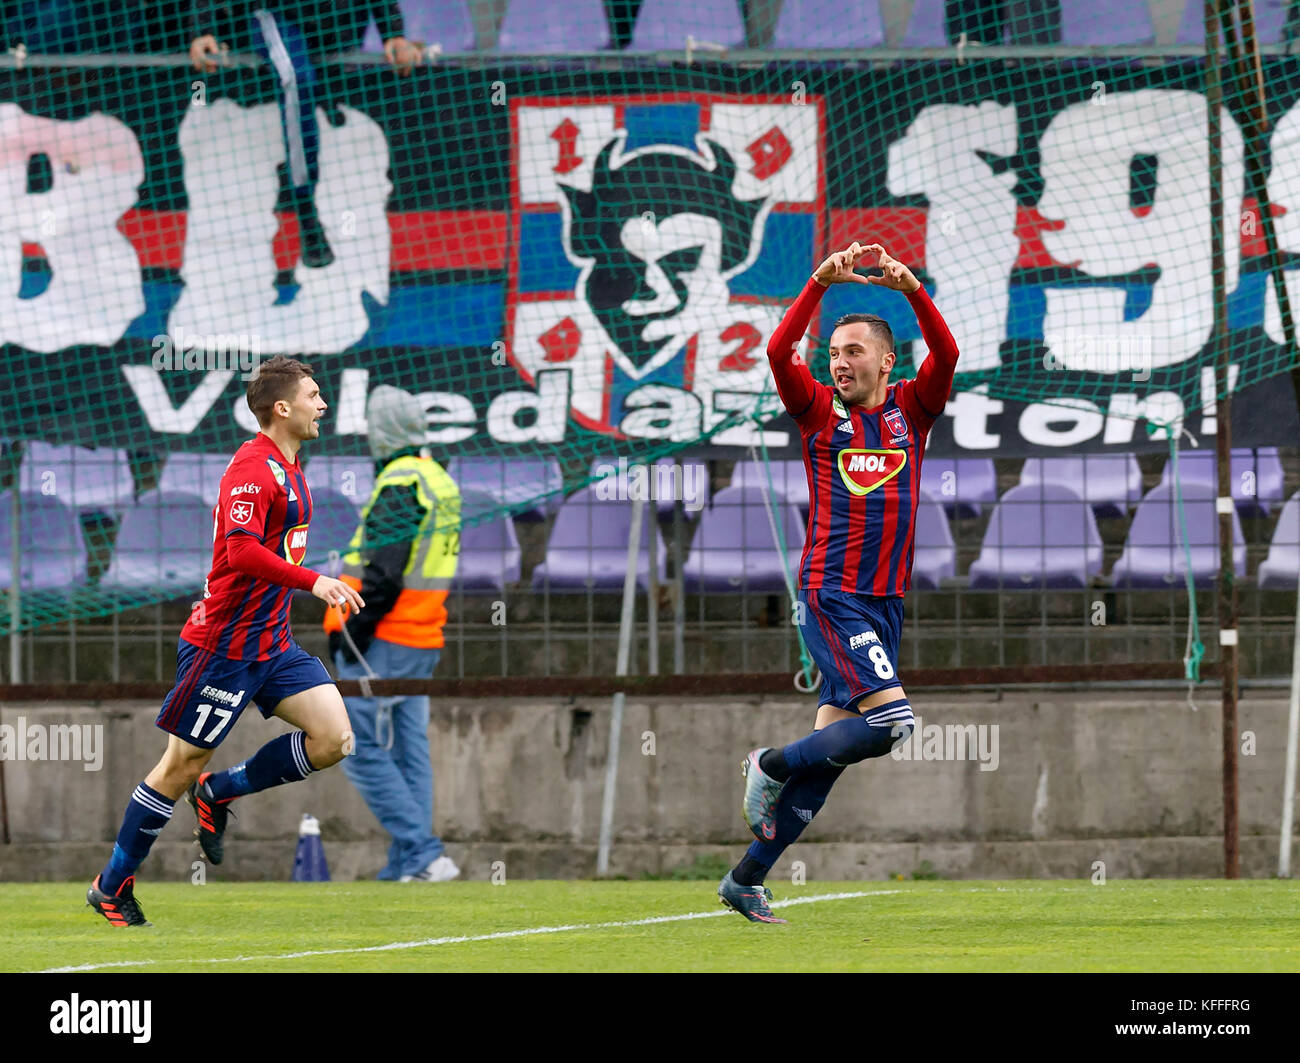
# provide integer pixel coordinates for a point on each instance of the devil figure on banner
(671, 228)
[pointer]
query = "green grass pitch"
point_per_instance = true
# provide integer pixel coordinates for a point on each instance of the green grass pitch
(1156, 925)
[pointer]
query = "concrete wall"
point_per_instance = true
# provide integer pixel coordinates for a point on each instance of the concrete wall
(1129, 780)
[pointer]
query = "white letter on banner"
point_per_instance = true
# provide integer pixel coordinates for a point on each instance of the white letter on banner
(970, 232)
(1060, 423)
(230, 156)
(451, 416)
(1284, 188)
(95, 288)
(1086, 153)
(970, 412)
(549, 406)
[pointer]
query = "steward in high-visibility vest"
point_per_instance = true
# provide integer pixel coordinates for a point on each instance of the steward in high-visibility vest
(403, 555)
(402, 558)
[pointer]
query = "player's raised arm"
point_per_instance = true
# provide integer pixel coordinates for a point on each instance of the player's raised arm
(795, 385)
(933, 383)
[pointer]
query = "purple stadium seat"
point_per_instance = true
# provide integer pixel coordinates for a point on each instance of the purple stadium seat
(165, 542)
(588, 545)
(1270, 17)
(691, 483)
(1040, 535)
(443, 22)
(663, 25)
(926, 28)
(349, 475)
(829, 24)
(935, 557)
(734, 549)
(1256, 475)
(194, 474)
(489, 549)
(1257, 480)
(80, 477)
(1110, 483)
(512, 482)
(52, 552)
(1153, 555)
(1281, 569)
(1096, 22)
(1075, 22)
(554, 26)
(964, 485)
(789, 479)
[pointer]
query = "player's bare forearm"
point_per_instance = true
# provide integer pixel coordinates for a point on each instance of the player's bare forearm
(794, 383)
(934, 377)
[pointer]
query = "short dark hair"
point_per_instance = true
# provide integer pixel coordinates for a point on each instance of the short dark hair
(879, 326)
(273, 380)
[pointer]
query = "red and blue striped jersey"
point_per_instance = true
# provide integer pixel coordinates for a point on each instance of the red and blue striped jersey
(246, 617)
(863, 465)
(864, 481)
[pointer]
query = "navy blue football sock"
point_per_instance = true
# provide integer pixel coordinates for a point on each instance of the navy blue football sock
(749, 872)
(146, 814)
(801, 799)
(849, 741)
(774, 765)
(281, 760)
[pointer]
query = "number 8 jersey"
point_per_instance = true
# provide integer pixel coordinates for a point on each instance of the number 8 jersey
(863, 465)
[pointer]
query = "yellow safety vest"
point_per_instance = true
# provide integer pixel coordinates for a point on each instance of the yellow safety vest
(420, 611)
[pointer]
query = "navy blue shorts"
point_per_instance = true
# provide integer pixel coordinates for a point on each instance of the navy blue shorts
(211, 690)
(853, 639)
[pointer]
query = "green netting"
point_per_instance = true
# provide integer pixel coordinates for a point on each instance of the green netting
(572, 227)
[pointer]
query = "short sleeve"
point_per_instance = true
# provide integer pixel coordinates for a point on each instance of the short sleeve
(248, 489)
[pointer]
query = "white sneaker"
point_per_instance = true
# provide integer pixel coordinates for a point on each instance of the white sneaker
(441, 870)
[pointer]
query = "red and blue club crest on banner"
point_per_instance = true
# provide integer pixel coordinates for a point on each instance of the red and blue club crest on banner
(655, 241)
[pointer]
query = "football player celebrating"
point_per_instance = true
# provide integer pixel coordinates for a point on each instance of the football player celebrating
(236, 647)
(863, 439)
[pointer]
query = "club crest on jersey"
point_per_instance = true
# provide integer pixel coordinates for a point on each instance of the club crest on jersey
(838, 407)
(241, 512)
(864, 470)
(276, 471)
(295, 544)
(895, 422)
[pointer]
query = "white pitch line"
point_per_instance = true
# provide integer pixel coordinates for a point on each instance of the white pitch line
(497, 936)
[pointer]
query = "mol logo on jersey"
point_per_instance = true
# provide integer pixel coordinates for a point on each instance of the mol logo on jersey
(655, 240)
(295, 544)
(864, 470)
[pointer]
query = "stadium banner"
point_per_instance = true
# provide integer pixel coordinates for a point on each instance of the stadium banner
(562, 259)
